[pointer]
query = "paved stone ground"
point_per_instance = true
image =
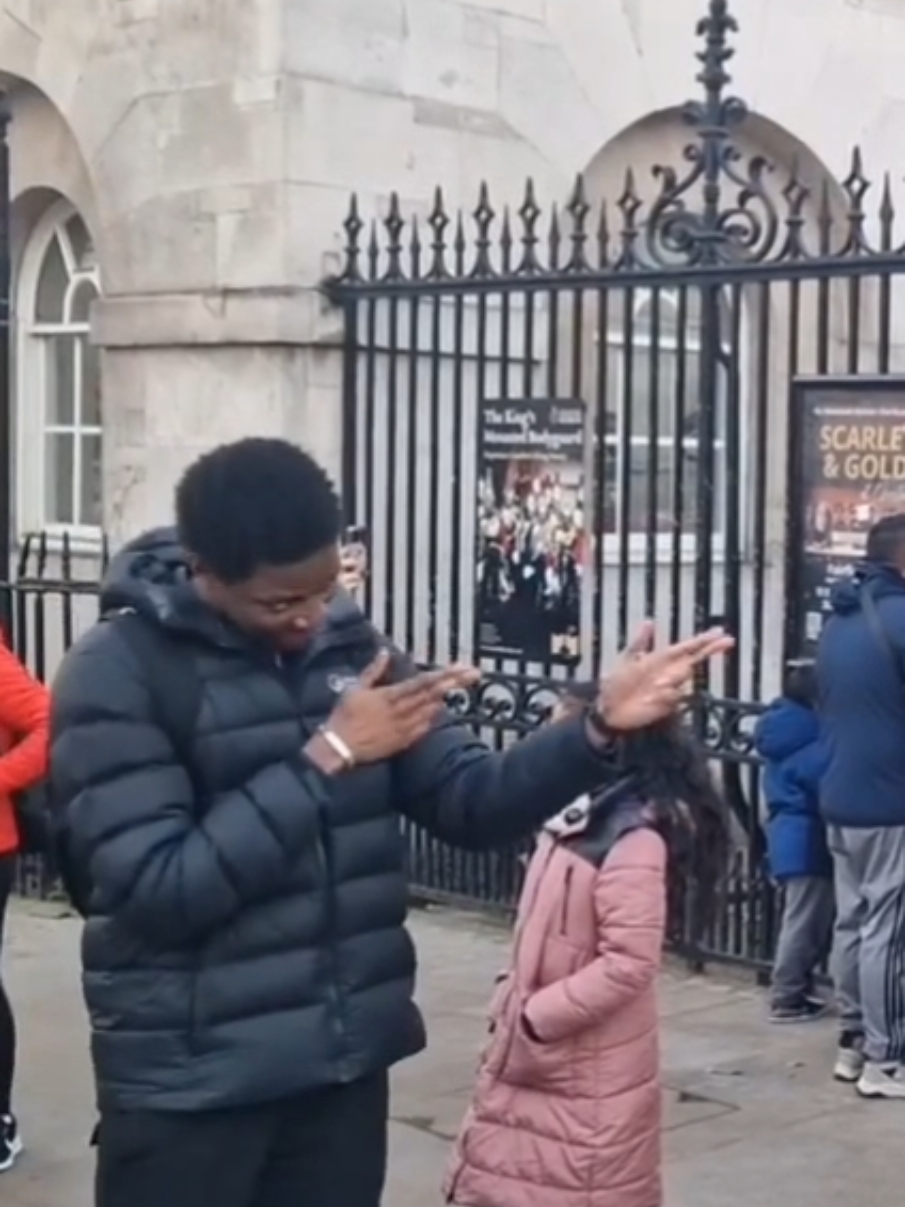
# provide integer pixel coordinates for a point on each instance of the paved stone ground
(753, 1119)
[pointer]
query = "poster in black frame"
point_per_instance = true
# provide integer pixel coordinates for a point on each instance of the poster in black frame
(531, 529)
(846, 471)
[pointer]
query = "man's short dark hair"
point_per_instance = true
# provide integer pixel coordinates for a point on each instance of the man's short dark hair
(886, 540)
(258, 502)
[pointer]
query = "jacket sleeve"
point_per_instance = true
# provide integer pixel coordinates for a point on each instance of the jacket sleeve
(474, 798)
(25, 715)
(130, 811)
(630, 906)
(807, 771)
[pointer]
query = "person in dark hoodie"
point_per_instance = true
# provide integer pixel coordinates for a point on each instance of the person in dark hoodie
(788, 738)
(862, 707)
(232, 749)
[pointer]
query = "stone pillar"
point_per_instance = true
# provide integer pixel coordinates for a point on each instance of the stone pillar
(183, 374)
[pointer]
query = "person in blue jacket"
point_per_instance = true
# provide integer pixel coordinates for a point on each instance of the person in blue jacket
(861, 681)
(789, 739)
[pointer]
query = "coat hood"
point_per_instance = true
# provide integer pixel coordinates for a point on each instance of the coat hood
(784, 729)
(876, 577)
(151, 575)
(622, 796)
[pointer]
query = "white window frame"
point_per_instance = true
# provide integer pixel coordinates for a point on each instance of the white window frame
(637, 538)
(31, 385)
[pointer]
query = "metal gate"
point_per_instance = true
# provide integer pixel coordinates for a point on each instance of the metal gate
(679, 313)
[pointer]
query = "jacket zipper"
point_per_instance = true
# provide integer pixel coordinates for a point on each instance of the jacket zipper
(334, 997)
(193, 1007)
(518, 989)
(564, 909)
(323, 851)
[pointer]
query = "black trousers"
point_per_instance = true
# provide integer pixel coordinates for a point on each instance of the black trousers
(7, 1025)
(323, 1149)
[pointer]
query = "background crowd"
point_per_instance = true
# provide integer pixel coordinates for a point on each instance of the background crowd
(835, 788)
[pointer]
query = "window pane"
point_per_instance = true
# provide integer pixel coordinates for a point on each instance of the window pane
(609, 488)
(59, 359)
(644, 383)
(611, 386)
(693, 398)
(685, 462)
(90, 503)
(662, 304)
(59, 473)
(692, 470)
(643, 465)
(80, 242)
(669, 460)
(91, 384)
(80, 301)
(52, 284)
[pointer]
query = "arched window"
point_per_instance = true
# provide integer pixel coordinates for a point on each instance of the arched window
(59, 395)
(653, 391)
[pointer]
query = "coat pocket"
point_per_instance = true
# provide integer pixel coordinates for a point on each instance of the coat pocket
(527, 1061)
(493, 1052)
(501, 987)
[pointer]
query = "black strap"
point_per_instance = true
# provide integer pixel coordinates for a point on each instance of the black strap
(175, 689)
(172, 678)
(872, 616)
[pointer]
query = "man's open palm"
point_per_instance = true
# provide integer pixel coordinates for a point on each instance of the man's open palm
(647, 685)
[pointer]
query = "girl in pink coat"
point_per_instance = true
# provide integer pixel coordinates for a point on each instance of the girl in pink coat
(566, 1110)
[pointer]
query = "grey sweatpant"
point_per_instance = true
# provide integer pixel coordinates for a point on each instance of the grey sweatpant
(869, 947)
(804, 940)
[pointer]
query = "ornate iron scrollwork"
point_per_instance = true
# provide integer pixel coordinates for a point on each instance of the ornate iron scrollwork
(717, 206)
(688, 222)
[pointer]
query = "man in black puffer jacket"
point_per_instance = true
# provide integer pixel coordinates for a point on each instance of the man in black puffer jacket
(246, 966)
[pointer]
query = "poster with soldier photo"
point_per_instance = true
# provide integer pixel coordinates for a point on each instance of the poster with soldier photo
(847, 472)
(531, 529)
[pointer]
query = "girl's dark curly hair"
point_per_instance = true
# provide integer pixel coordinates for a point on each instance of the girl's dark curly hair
(670, 767)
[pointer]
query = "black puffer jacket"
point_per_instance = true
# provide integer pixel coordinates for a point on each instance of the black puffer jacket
(246, 938)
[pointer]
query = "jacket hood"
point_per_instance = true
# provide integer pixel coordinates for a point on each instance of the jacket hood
(876, 577)
(784, 729)
(591, 807)
(151, 575)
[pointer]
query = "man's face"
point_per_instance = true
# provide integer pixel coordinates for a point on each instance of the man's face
(283, 605)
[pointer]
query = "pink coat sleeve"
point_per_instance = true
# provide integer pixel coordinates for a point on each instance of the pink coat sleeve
(630, 906)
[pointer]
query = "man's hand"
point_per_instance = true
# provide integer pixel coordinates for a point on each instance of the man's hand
(648, 685)
(374, 722)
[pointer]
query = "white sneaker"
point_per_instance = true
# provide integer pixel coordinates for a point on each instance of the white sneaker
(10, 1142)
(849, 1059)
(882, 1081)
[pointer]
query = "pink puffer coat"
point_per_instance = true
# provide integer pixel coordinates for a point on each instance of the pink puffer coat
(566, 1111)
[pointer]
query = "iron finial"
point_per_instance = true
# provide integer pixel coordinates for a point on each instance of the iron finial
(716, 53)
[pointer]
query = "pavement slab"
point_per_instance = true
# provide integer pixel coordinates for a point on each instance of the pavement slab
(752, 1117)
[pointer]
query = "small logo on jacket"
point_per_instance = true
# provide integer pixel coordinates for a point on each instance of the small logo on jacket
(339, 684)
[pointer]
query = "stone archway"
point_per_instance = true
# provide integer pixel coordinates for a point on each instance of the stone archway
(661, 137)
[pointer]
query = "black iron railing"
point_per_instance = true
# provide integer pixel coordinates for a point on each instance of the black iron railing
(54, 598)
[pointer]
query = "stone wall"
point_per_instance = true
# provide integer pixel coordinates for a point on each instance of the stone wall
(212, 145)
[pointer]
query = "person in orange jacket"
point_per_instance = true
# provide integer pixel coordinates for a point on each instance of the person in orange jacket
(24, 738)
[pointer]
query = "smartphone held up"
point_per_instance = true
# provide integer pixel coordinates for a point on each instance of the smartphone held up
(354, 562)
